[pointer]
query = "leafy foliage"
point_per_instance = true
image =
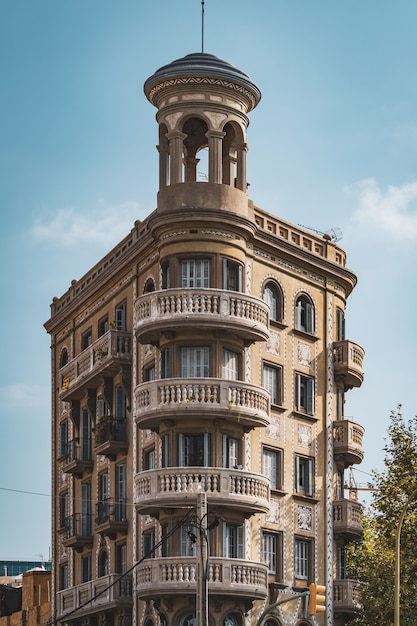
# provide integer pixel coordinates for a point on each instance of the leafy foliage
(372, 560)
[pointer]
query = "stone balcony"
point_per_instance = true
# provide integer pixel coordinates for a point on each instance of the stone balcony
(347, 597)
(161, 577)
(201, 399)
(78, 457)
(347, 441)
(102, 594)
(348, 359)
(221, 311)
(347, 519)
(177, 487)
(106, 356)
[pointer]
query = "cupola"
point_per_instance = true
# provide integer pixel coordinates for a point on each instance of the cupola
(202, 103)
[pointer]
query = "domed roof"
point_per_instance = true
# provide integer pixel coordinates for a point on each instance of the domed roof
(200, 65)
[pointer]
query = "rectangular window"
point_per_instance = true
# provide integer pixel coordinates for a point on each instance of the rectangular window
(86, 509)
(86, 339)
(120, 402)
(165, 451)
(120, 316)
(121, 492)
(195, 273)
(193, 450)
(340, 328)
(121, 558)
(272, 381)
(148, 545)
(341, 563)
(63, 438)
(149, 373)
(232, 275)
(102, 407)
(188, 546)
(270, 544)
(230, 452)
(302, 554)
(86, 568)
(86, 431)
(233, 541)
(304, 400)
(63, 576)
(230, 365)
(63, 510)
(103, 326)
(165, 372)
(149, 461)
(195, 362)
(272, 460)
(304, 467)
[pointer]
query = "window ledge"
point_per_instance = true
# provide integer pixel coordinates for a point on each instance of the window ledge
(309, 499)
(307, 416)
(304, 334)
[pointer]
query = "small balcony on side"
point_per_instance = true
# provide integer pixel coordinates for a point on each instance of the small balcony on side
(107, 593)
(111, 517)
(105, 356)
(347, 598)
(347, 441)
(201, 399)
(178, 575)
(347, 519)
(218, 310)
(78, 531)
(177, 487)
(348, 361)
(78, 457)
(110, 436)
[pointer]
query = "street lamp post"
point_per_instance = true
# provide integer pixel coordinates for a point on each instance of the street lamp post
(397, 583)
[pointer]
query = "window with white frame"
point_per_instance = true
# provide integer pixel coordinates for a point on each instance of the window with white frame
(230, 451)
(270, 544)
(195, 273)
(120, 316)
(271, 461)
(304, 475)
(304, 394)
(193, 450)
(272, 381)
(273, 297)
(233, 541)
(232, 275)
(304, 314)
(188, 541)
(302, 558)
(230, 365)
(195, 362)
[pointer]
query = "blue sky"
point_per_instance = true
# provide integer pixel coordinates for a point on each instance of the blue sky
(332, 143)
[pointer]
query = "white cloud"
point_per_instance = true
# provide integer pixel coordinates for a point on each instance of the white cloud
(24, 396)
(105, 225)
(392, 211)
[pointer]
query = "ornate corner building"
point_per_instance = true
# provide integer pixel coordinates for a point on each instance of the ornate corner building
(199, 374)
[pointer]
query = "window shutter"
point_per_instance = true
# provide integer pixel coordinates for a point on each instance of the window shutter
(308, 317)
(310, 396)
(309, 477)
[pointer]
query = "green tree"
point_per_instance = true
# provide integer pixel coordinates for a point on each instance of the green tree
(372, 560)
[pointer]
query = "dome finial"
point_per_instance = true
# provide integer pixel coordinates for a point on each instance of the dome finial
(202, 25)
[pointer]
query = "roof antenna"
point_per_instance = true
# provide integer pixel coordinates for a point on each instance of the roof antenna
(202, 25)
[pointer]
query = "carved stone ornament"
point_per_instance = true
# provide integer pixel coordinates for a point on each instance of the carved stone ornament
(304, 517)
(304, 354)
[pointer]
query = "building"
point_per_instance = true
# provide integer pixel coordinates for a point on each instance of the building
(27, 602)
(199, 374)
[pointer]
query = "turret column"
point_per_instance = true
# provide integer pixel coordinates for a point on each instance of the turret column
(176, 141)
(215, 138)
(241, 182)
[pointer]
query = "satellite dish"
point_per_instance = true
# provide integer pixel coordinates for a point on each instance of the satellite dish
(335, 234)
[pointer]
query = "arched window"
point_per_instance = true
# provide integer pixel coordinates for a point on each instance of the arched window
(188, 620)
(304, 314)
(230, 620)
(273, 297)
(103, 564)
(149, 286)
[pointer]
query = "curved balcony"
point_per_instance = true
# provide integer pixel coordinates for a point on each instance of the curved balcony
(347, 597)
(105, 356)
(347, 441)
(169, 310)
(102, 594)
(201, 399)
(347, 519)
(178, 575)
(348, 359)
(176, 487)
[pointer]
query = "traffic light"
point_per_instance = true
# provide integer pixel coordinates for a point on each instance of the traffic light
(317, 602)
